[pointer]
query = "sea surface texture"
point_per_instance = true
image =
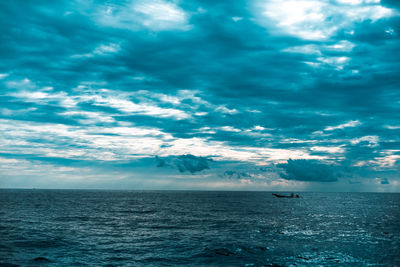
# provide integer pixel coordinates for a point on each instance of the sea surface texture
(185, 228)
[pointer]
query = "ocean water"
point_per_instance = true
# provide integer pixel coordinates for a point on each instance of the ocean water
(185, 228)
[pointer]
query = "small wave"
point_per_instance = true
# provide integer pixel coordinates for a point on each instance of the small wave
(39, 243)
(41, 259)
(303, 232)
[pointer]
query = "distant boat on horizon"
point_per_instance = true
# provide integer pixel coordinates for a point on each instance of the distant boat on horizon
(284, 196)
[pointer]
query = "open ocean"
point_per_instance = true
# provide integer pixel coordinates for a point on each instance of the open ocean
(194, 228)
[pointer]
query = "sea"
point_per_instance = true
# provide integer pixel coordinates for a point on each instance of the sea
(197, 228)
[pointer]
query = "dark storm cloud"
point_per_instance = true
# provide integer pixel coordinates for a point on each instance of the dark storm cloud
(191, 163)
(308, 171)
(384, 181)
(185, 163)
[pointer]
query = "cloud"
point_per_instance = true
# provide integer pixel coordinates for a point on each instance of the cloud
(310, 49)
(319, 20)
(108, 98)
(384, 181)
(122, 81)
(344, 125)
(236, 175)
(101, 50)
(308, 170)
(191, 163)
(161, 14)
(160, 162)
(185, 163)
(369, 140)
(156, 15)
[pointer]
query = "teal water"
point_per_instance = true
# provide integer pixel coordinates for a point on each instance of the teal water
(172, 228)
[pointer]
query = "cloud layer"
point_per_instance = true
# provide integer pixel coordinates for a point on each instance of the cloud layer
(278, 94)
(307, 170)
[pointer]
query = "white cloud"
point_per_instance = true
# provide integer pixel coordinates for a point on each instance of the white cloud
(160, 14)
(318, 20)
(390, 31)
(344, 125)
(222, 151)
(236, 19)
(90, 117)
(373, 140)
(319, 50)
(351, 2)
(392, 127)
(206, 130)
(8, 161)
(44, 96)
(156, 15)
(299, 18)
(141, 102)
(106, 49)
(337, 62)
(387, 161)
(127, 106)
(328, 149)
(230, 129)
(123, 143)
(304, 49)
(101, 50)
(226, 110)
(193, 95)
(342, 46)
(258, 128)
(313, 64)
(103, 97)
(91, 143)
(24, 84)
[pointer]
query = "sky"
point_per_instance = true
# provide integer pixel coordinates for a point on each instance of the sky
(277, 95)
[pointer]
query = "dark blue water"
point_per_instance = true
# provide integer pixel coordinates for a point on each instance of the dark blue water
(170, 228)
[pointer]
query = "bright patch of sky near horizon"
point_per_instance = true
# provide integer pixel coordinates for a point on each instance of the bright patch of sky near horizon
(258, 92)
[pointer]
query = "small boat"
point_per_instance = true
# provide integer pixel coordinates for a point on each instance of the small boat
(284, 196)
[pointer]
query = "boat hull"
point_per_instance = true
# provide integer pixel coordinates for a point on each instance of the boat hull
(283, 196)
